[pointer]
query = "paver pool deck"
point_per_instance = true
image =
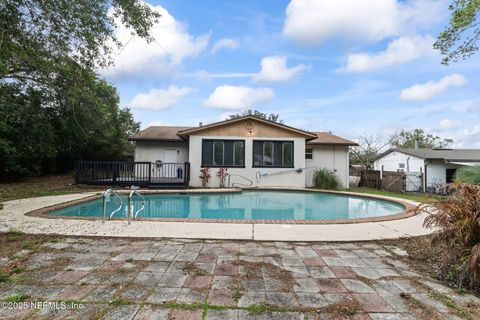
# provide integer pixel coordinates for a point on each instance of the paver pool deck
(116, 278)
(13, 216)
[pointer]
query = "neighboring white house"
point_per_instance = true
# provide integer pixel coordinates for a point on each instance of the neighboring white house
(437, 165)
(256, 152)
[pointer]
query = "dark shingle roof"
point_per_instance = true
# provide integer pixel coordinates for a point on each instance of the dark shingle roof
(441, 154)
(174, 133)
(330, 139)
(159, 133)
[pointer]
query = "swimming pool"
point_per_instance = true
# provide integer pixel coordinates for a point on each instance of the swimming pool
(256, 205)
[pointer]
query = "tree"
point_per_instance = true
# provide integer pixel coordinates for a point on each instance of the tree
(37, 36)
(53, 107)
(40, 133)
(268, 116)
(408, 139)
(369, 146)
(460, 39)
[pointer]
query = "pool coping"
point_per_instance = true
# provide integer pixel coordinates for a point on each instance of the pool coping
(407, 213)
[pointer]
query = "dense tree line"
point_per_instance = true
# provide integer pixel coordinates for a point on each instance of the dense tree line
(54, 109)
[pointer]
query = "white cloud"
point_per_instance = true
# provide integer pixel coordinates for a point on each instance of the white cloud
(314, 21)
(448, 124)
(206, 76)
(172, 45)
(225, 43)
(468, 138)
(238, 97)
(274, 69)
(430, 89)
(158, 99)
(399, 51)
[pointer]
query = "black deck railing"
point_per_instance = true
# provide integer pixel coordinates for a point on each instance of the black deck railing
(127, 173)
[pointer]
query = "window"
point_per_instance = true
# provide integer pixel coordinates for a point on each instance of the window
(401, 165)
(267, 153)
(287, 154)
(273, 154)
(309, 154)
(218, 153)
(223, 153)
(238, 153)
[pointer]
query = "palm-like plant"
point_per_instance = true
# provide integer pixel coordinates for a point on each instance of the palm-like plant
(468, 175)
(457, 218)
(205, 176)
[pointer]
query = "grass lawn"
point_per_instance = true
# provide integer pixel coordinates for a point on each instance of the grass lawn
(42, 186)
(419, 197)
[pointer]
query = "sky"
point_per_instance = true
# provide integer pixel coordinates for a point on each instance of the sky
(352, 67)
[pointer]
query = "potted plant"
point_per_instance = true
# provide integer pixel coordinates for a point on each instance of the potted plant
(205, 176)
(222, 174)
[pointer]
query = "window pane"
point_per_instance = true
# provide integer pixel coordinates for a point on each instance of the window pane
(228, 152)
(308, 153)
(238, 153)
(268, 153)
(207, 153)
(287, 154)
(257, 153)
(218, 153)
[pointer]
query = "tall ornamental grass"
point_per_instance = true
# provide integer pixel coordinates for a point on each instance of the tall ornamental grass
(457, 218)
(325, 179)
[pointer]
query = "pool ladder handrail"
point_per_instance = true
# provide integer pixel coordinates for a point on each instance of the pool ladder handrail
(132, 193)
(238, 183)
(104, 204)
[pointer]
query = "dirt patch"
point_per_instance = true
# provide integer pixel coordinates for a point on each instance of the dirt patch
(253, 269)
(341, 310)
(423, 257)
(191, 269)
(420, 310)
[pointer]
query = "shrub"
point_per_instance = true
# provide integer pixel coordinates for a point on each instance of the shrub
(325, 179)
(205, 176)
(222, 175)
(468, 175)
(457, 218)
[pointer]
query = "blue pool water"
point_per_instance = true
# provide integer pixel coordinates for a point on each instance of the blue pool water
(246, 205)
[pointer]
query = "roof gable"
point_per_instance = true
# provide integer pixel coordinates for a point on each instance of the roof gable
(248, 126)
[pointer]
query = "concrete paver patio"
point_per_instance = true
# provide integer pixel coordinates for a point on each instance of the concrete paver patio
(220, 279)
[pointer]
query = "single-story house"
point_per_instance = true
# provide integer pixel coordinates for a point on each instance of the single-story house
(255, 151)
(437, 165)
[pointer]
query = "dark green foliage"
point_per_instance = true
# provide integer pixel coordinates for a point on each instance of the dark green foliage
(53, 107)
(41, 134)
(460, 39)
(36, 36)
(406, 139)
(271, 117)
(325, 179)
(468, 175)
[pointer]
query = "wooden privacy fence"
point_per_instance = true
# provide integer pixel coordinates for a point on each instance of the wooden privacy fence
(392, 180)
(370, 179)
